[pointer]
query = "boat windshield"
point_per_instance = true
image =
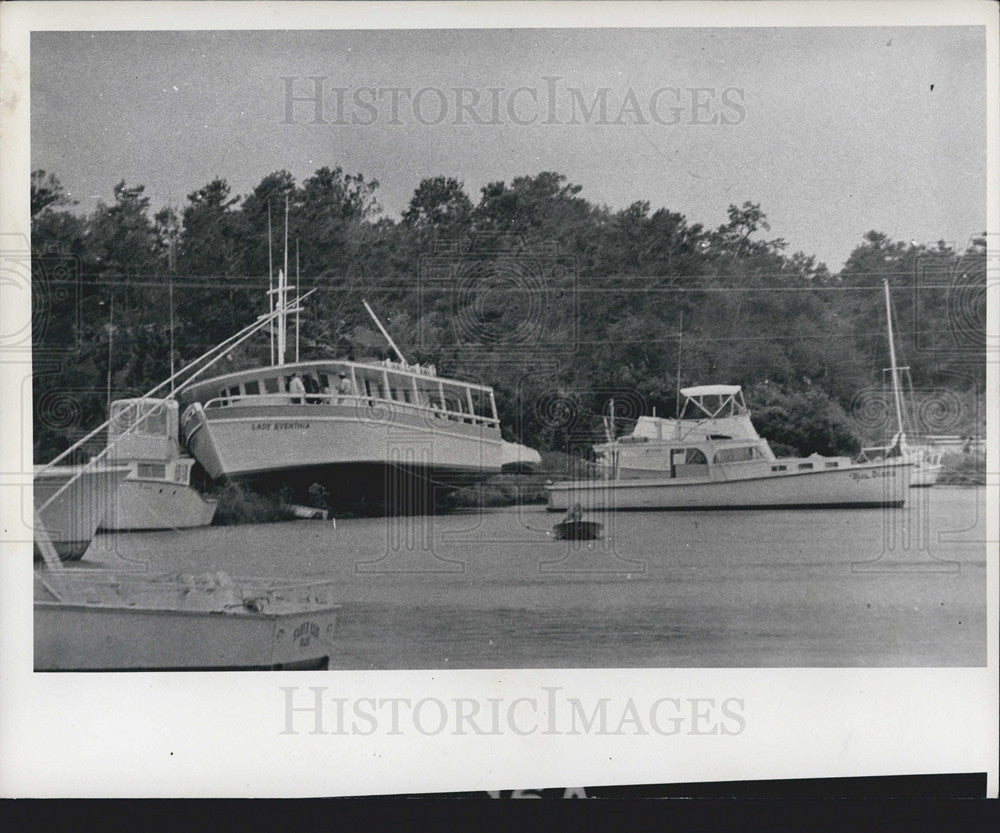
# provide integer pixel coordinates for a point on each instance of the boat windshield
(145, 417)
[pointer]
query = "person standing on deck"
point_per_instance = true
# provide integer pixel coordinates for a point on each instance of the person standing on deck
(297, 389)
(344, 387)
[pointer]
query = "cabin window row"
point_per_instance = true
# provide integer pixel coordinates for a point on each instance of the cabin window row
(696, 457)
(468, 402)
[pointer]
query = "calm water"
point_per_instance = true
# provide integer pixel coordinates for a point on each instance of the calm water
(848, 587)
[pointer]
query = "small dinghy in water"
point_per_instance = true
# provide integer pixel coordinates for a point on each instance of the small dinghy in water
(574, 528)
(578, 531)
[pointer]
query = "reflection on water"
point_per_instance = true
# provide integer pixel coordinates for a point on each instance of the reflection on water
(845, 587)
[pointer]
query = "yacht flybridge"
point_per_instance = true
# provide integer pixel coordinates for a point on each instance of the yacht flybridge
(712, 457)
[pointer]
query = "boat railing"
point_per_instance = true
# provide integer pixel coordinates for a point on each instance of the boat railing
(281, 399)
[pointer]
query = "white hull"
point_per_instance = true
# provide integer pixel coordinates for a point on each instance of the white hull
(925, 475)
(71, 520)
(926, 462)
(255, 441)
(143, 625)
(854, 486)
(158, 504)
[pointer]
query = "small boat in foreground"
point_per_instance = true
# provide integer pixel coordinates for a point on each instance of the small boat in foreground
(88, 620)
(718, 461)
(578, 531)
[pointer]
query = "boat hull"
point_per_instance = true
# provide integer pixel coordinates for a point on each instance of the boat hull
(355, 455)
(157, 504)
(96, 623)
(70, 637)
(360, 484)
(925, 475)
(857, 486)
(73, 517)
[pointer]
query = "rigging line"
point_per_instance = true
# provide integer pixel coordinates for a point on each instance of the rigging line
(210, 281)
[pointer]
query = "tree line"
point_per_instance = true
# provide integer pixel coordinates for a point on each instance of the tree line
(560, 304)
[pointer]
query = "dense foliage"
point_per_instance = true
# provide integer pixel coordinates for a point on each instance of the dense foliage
(560, 304)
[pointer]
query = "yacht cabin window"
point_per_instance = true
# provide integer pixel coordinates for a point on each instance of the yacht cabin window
(695, 457)
(740, 454)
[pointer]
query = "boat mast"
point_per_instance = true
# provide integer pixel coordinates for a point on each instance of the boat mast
(173, 271)
(897, 396)
(609, 427)
(677, 412)
(111, 336)
(270, 278)
(283, 296)
(382, 329)
(296, 299)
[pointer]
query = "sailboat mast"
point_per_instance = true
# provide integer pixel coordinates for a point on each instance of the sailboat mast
(897, 395)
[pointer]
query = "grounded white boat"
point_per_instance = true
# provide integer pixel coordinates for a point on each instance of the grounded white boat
(925, 457)
(70, 502)
(406, 427)
(717, 460)
(144, 435)
(384, 433)
(86, 620)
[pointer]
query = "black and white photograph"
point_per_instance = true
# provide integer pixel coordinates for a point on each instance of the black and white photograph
(511, 397)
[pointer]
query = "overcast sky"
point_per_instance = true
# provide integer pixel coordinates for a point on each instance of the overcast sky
(833, 131)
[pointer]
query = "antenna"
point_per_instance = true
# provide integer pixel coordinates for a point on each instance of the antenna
(382, 329)
(283, 320)
(111, 337)
(296, 299)
(680, 334)
(270, 278)
(283, 297)
(173, 270)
